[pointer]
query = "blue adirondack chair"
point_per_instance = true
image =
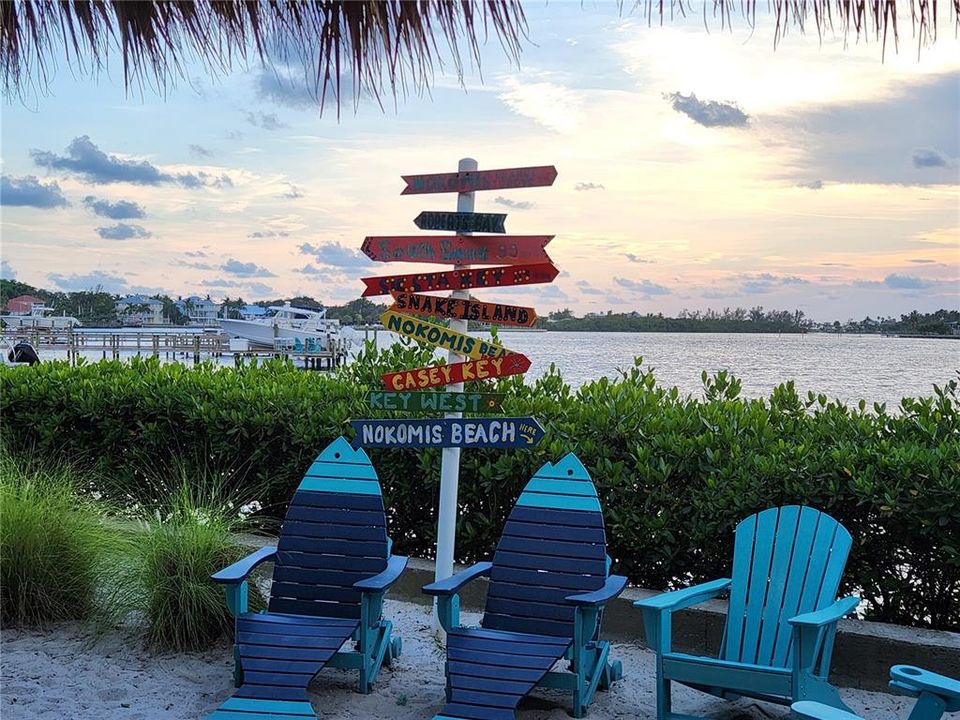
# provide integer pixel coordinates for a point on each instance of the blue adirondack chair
(332, 567)
(548, 586)
(782, 617)
(936, 694)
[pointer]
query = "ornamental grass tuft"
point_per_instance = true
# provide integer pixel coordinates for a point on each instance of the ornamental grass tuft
(186, 539)
(55, 550)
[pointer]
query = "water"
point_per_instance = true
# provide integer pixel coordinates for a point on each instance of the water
(846, 367)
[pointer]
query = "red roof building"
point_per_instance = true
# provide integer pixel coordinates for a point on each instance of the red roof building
(22, 304)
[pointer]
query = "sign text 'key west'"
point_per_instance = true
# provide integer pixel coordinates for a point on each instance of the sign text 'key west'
(441, 337)
(432, 401)
(438, 375)
(463, 309)
(448, 432)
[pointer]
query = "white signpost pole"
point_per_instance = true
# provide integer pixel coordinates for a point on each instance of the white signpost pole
(450, 462)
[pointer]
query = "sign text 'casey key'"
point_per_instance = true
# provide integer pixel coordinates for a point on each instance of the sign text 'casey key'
(438, 375)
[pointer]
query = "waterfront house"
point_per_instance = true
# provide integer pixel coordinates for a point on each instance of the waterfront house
(22, 304)
(252, 312)
(139, 310)
(200, 311)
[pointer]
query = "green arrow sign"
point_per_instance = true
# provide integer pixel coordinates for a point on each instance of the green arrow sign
(435, 402)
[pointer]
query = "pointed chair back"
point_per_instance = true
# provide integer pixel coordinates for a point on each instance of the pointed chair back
(786, 561)
(334, 535)
(552, 546)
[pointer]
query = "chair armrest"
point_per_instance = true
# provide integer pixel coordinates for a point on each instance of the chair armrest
(452, 585)
(819, 618)
(380, 582)
(809, 710)
(680, 599)
(239, 571)
(611, 588)
(912, 681)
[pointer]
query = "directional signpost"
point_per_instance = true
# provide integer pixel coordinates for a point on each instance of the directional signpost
(435, 402)
(460, 222)
(517, 260)
(448, 432)
(458, 249)
(462, 279)
(441, 337)
(453, 373)
(458, 309)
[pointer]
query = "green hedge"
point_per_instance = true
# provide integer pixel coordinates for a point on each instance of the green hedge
(675, 473)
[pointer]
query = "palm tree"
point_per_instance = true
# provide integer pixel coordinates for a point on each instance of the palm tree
(383, 45)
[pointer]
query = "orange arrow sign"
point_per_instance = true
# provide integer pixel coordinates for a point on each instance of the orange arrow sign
(480, 180)
(458, 249)
(437, 375)
(501, 276)
(460, 309)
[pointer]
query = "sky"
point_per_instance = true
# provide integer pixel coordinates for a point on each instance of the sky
(695, 169)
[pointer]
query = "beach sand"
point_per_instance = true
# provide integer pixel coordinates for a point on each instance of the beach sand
(68, 673)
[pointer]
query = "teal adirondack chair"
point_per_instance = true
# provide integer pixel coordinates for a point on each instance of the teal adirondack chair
(548, 586)
(782, 616)
(332, 568)
(936, 694)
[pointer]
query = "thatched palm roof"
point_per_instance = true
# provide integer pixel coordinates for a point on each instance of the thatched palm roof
(381, 45)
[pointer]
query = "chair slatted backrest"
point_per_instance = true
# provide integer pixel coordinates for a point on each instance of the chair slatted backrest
(786, 561)
(553, 545)
(333, 535)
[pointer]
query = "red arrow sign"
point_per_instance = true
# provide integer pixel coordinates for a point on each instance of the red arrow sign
(437, 375)
(459, 249)
(462, 279)
(460, 309)
(480, 180)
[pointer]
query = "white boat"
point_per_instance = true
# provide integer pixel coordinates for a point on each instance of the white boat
(285, 326)
(39, 317)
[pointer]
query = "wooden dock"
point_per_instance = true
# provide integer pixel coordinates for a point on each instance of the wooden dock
(173, 346)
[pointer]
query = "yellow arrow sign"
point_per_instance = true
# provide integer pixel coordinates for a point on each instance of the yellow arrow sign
(472, 347)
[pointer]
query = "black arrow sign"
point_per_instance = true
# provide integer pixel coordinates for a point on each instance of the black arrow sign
(461, 222)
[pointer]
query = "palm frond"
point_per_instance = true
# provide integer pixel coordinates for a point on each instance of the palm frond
(383, 45)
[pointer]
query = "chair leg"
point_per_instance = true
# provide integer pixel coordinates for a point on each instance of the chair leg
(818, 690)
(663, 695)
(928, 707)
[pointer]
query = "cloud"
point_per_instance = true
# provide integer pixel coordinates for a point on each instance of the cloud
(811, 185)
(259, 289)
(220, 282)
(873, 141)
(196, 253)
(709, 113)
(90, 162)
(546, 103)
(286, 90)
(637, 259)
(928, 159)
(266, 121)
(120, 210)
(268, 234)
(513, 204)
(90, 281)
(123, 231)
(905, 282)
(242, 269)
(759, 283)
(336, 255)
(643, 287)
(199, 151)
(922, 261)
(194, 265)
(292, 194)
(582, 186)
(28, 191)
(586, 288)
(6, 271)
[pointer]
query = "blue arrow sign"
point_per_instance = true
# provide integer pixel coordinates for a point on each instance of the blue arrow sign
(448, 432)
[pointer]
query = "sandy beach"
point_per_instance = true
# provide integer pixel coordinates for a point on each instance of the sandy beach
(69, 673)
